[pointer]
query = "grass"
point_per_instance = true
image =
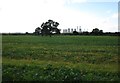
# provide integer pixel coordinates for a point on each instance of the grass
(83, 58)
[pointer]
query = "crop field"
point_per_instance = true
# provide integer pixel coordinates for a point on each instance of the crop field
(60, 58)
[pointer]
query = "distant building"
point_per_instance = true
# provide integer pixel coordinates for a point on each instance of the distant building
(80, 30)
(74, 29)
(68, 30)
(71, 30)
(64, 30)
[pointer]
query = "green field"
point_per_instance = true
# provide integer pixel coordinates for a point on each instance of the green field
(60, 58)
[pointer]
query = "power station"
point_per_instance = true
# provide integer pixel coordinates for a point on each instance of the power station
(70, 30)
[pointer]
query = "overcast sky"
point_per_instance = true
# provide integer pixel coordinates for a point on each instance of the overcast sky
(26, 15)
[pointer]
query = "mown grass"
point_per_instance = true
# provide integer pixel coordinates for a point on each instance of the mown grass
(83, 58)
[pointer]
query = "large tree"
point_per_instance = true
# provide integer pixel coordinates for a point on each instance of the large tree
(37, 30)
(96, 31)
(49, 27)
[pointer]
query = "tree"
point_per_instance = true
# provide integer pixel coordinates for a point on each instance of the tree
(101, 32)
(37, 30)
(75, 33)
(96, 31)
(49, 27)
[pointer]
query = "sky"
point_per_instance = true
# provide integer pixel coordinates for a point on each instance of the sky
(26, 15)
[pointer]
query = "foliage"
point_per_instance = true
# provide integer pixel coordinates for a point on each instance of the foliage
(48, 28)
(96, 31)
(50, 73)
(75, 33)
(37, 30)
(60, 58)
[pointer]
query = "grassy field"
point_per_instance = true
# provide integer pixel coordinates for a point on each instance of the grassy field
(60, 58)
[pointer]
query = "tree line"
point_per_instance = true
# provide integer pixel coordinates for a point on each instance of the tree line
(50, 28)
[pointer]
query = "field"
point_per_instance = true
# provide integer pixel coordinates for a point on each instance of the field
(60, 58)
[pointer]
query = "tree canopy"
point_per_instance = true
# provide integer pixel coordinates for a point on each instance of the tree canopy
(48, 28)
(96, 31)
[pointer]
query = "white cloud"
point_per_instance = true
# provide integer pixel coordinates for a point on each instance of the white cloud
(102, 0)
(26, 15)
(76, 1)
(83, 1)
(110, 23)
(115, 15)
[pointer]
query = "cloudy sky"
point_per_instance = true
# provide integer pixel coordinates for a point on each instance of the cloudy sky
(26, 15)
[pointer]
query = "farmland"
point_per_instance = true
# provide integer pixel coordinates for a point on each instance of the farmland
(59, 58)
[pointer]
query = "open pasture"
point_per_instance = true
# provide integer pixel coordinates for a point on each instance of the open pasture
(60, 58)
